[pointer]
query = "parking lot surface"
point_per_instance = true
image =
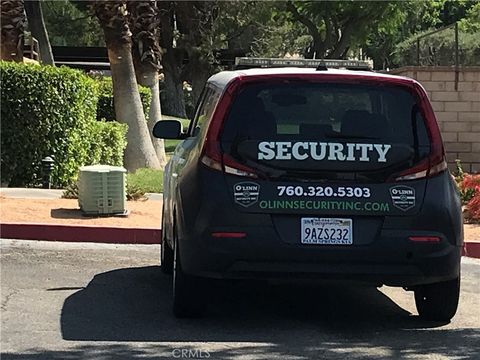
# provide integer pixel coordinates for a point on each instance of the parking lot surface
(93, 301)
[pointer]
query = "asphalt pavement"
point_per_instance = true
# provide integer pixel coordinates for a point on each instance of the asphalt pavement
(99, 301)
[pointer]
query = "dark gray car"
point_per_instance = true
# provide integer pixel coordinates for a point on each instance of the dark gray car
(312, 174)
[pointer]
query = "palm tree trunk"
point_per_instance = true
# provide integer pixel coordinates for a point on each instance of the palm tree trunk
(198, 71)
(150, 79)
(12, 25)
(128, 109)
(175, 102)
(144, 21)
(112, 16)
(34, 12)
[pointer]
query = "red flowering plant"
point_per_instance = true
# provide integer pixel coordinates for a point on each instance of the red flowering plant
(469, 188)
(470, 192)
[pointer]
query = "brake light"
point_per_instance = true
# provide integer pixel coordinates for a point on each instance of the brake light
(435, 162)
(424, 238)
(232, 235)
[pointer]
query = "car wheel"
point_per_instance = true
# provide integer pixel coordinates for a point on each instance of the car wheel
(188, 300)
(438, 302)
(166, 257)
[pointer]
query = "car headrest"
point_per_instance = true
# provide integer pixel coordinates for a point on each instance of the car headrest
(315, 129)
(362, 123)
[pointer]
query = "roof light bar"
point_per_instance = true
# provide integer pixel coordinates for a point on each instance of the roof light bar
(247, 62)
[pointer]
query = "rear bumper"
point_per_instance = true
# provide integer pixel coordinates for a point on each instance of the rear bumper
(391, 260)
(381, 252)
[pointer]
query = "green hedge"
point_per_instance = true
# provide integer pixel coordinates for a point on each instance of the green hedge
(108, 143)
(106, 109)
(51, 111)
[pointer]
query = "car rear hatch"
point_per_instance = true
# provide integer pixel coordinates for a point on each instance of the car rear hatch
(333, 152)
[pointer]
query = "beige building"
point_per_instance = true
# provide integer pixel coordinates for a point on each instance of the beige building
(457, 109)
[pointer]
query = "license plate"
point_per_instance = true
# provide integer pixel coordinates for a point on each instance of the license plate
(326, 231)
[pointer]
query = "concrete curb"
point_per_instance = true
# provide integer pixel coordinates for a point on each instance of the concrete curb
(116, 235)
(472, 249)
(81, 233)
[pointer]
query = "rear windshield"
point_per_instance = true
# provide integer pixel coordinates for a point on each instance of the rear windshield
(301, 111)
(326, 112)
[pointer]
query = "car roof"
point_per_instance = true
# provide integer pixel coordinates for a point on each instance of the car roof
(223, 78)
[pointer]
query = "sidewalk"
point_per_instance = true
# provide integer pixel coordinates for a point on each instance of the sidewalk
(41, 214)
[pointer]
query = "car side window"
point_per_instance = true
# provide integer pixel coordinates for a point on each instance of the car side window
(205, 111)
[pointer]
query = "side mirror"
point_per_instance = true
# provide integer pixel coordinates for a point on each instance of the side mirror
(168, 129)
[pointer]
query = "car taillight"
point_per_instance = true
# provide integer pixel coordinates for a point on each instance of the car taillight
(422, 170)
(424, 239)
(211, 153)
(211, 163)
(231, 235)
(435, 163)
(231, 166)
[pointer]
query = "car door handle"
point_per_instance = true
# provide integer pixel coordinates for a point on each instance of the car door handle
(174, 175)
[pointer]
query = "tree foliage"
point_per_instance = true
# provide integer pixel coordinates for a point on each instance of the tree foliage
(194, 35)
(336, 27)
(69, 24)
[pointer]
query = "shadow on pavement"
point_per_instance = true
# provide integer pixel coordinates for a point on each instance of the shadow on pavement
(269, 321)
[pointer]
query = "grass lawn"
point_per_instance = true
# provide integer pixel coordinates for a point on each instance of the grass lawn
(150, 180)
(170, 146)
(146, 180)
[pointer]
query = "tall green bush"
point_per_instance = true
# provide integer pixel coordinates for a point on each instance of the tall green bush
(50, 111)
(106, 107)
(108, 143)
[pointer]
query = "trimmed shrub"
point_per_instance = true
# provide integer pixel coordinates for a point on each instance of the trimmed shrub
(106, 107)
(108, 143)
(50, 111)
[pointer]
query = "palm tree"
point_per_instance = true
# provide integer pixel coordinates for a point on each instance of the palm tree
(144, 24)
(172, 60)
(12, 25)
(33, 8)
(112, 16)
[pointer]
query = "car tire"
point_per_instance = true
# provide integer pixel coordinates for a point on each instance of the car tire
(188, 299)
(166, 252)
(166, 257)
(439, 301)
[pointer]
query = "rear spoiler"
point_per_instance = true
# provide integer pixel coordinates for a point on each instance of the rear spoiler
(319, 64)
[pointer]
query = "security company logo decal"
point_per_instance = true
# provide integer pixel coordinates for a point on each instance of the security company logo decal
(403, 197)
(246, 193)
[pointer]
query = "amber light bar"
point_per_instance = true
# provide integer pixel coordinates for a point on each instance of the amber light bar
(304, 63)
